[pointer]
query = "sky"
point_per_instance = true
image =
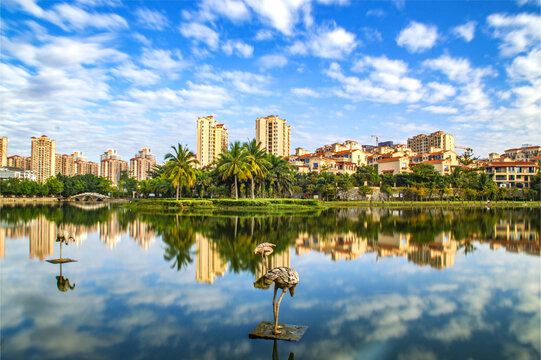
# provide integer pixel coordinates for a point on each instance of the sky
(100, 74)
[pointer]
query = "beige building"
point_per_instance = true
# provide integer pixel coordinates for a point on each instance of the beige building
(83, 166)
(18, 162)
(142, 164)
(65, 165)
(43, 157)
(112, 166)
(212, 140)
(3, 151)
(525, 153)
(509, 173)
(421, 143)
(209, 263)
(394, 165)
(274, 135)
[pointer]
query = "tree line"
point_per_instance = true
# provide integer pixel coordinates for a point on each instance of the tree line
(247, 170)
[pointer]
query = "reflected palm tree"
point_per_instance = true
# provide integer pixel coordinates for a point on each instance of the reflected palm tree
(179, 241)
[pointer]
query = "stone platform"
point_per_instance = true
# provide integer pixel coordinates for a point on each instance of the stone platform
(289, 332)
(61, 261)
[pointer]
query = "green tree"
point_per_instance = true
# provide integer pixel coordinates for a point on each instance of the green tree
(257, 161)
(233, 163)
(365, 190)
(180, 167)
(279, 174)
(55, 186)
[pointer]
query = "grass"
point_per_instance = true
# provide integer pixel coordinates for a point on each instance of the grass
(303, 205)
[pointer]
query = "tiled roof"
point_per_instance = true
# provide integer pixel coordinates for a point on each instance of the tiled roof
(389, 159)
(511, 163)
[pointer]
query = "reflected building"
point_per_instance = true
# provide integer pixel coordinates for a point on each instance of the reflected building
(340, 246)
(516, 237)
(438, 254)
(209, 263)
(142, 233)
(42, 236)
(110, 231)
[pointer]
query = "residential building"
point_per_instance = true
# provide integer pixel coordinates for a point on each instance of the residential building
(274, 135)
(43, 157)
(524, 153)
(3, 151)
(394, 165)
(421, 143)
(142, 164)
(112, 166)
(212, 140)
(509, 173)
(83, 166)
(209, 262)
(19, 162)
(65, 165)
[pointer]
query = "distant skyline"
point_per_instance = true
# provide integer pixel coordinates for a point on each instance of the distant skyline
(99, 74)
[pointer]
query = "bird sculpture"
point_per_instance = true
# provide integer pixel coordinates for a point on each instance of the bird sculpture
(286, 279)
(264, 249)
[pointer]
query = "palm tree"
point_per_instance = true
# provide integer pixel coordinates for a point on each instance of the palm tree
(280, 173)
(180, 166)
(256, 157)
(233, 163)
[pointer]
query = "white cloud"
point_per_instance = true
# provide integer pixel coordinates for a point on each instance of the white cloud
(326, 43)
(238, 47)
(70, 17)
(376, 13)
(152, 19)
(439, 92)
(200, 32)
(417, 37)
(246, 82)
(263, 35)
(440, 109)
(165, 61)
(457, 69)
(518, 33)
(465, 31)
(526, 68)
(304, 92)
(282, 15)
(270, 61)
(234, 10)
(136, 75)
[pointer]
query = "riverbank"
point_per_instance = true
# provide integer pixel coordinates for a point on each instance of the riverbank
(259, 205)
(28, 200)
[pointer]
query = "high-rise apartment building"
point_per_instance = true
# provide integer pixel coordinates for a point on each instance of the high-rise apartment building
(43, 157)
(273, 134)
(212, 140)
(142, 164)
(422, 143)
(112, 166)
(65, 165)
(3, 151)
(82, 166)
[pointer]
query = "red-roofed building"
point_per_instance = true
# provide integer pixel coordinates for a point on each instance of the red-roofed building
(525, 153)
(512, 173)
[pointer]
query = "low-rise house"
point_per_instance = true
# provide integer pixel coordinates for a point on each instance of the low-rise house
(509, 173)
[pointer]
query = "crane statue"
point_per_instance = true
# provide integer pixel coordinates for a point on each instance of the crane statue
(286, 279)
(264, 249)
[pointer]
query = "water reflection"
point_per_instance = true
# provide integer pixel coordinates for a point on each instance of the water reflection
(129, 303)
(423, 237)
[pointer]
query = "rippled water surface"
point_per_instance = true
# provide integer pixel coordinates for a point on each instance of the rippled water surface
(374, 284)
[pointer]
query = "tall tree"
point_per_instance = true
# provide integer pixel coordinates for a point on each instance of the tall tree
(280, 173)
(233, 163)
(257, 161)
(180, 167)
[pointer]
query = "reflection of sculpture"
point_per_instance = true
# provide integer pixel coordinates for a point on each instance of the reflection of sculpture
(62, 283)
(286, 279)
(264, 249)
(275, 352)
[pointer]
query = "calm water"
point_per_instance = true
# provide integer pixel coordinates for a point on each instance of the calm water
(381, 284)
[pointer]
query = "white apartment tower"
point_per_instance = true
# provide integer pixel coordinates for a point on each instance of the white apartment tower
(274, 135)
(212, 140)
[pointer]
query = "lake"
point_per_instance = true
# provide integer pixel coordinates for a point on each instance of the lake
(374, 284)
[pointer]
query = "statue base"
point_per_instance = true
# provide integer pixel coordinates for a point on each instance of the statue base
(289, 332)
(61, 261)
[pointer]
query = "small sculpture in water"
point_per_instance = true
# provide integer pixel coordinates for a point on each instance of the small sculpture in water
(286, 279)
(62, 283)
(264, 249)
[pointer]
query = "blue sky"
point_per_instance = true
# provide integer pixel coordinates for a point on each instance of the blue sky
(98, 74)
